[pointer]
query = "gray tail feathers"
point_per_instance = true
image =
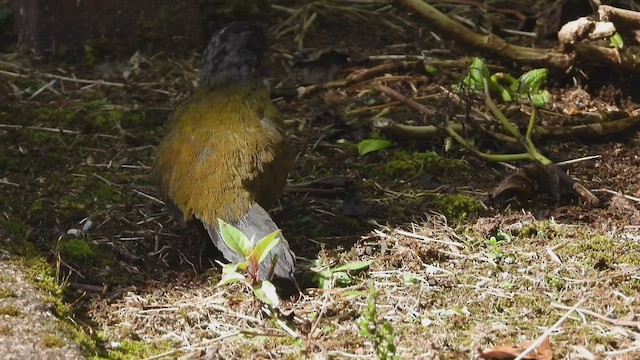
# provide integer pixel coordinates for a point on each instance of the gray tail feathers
(256, 224)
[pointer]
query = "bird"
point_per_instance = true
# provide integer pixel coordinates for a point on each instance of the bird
(225, 154)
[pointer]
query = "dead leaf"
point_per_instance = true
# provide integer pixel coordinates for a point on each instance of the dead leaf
(525, 183)
(510, 352)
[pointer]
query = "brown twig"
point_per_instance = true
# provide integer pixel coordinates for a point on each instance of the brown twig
(616, 322)
(410, 102)
(39, 128)
(493, 43)
(356, 77)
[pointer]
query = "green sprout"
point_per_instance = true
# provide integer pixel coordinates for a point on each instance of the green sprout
(378, 331)
(525, 89)
(370, 145)
(616, 41)
(328, 278)
(494, 243)
(247, 270)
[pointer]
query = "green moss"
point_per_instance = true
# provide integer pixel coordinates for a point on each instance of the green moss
(630, 257)
(556, 283)
(78, 250)
(104, 193)
(44, 277)
(96, 115)
(52, 341)
(410, 165)
(457, 206)
(70, 204)
(6, 293)
(58, 116)
(85, 340)
(328, 329)
(10, 310)
(593, 249)
(630, 286)
(528, 231)
(136, 349)
(37, 206)
(538, 230)
(99, 119)
(136, 119)
(15, 227)
(86, 192)
(18, 243)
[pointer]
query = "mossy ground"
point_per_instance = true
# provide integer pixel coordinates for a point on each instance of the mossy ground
(130, 282)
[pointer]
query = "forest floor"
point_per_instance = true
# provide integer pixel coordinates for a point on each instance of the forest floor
(455, 270)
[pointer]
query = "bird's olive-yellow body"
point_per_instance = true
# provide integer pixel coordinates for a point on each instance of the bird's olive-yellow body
(225, 155)
(224, 150)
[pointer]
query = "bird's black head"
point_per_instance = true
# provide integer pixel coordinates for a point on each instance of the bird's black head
(233, 55)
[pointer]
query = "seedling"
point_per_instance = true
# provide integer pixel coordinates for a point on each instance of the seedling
(254, 254)
(494, 243)
(370, 145)
(328, 278)
(616, 41)
(378, 331)
(525, 89)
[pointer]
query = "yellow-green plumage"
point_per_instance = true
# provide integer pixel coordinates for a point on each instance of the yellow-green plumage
(224, 150)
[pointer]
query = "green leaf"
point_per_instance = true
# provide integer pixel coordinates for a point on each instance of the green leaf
(235, 239)
(370, 145)
(235, 267)
(353, 293)
(328, 278)
(540, 99)
(323, 279)
(502, 236)
(431, 70)
(356, 265)
(409, 278)
(504, 78)
(230, 267)
(264, 245)
(531, 81)
(322, 282)
(616, 41)
(266, 292)
(505, 93)
(342, 279)
(230, 275)
(477, 73)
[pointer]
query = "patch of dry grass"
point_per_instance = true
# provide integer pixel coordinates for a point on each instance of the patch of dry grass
(445, 292)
